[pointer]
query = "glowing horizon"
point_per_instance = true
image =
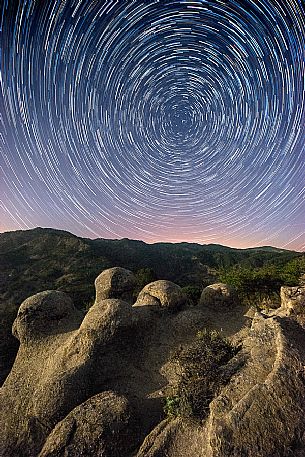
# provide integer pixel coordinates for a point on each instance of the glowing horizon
(168, 239)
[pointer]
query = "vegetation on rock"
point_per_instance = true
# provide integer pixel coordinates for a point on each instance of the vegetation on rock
(200, 375)
(95, 384)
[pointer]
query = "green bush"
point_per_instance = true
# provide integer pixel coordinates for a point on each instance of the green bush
(200, 374)
(261, 286)
(293, 270)
(143, 277)
(192, 293)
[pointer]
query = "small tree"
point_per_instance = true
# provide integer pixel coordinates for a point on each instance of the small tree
(262, 285)
(254, 285)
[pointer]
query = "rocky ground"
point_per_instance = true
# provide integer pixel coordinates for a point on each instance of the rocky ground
(94, 385)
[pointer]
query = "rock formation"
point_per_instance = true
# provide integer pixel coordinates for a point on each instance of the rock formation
(99, 426)
(115, 283)
(218, 295)
(162, 294)
(260, 413)
(293, 300)
(95, 385)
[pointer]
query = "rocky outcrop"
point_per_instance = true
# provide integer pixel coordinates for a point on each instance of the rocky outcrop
(161, 294)
(95, 384)
(43, 314)
(60, 364)
(115, 283)
(66, 359)
(101, 426)
(293, 300)
(260, 413)
(218, 295)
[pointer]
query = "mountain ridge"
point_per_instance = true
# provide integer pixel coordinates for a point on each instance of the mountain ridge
(180, 243)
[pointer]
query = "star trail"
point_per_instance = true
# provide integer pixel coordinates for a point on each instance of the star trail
(154, 120)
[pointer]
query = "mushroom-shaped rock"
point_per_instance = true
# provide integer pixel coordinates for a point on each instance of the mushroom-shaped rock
(115, 283)
(218, 295)
(163, 294)
(98, 427)
(71, 372)
(59, 366)
(293, 300)
(43, 314)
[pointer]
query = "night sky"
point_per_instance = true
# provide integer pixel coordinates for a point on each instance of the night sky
(154, 120)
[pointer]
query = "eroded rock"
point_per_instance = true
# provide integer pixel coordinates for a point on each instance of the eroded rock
(162, 294)
(42, 314)
(115, 283)
(218, 295)
(259, 413)
(101, 426)
(65, 359)
(59, 366)
(293, 300)
(94, 385)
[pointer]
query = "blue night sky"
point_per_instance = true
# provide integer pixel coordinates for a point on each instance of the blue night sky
(154, 120)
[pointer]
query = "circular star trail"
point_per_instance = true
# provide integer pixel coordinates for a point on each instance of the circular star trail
(156, 120)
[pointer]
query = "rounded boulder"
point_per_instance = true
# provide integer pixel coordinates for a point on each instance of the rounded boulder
(115, 283)
(98, 427)
(218, 295)
(163, 294)
(43, 314)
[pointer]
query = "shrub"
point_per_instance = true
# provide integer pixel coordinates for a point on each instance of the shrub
(293, 271)
(256, 286)
(200, 375)
(143, 277)
(192, 293)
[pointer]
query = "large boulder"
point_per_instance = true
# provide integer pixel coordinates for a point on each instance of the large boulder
(60, 364)
(98, 427)
(65, 358)
(258, 413)
(218, 295)
(115, 283)
(161, 294)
